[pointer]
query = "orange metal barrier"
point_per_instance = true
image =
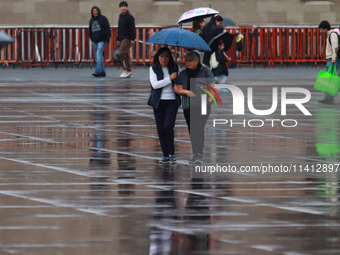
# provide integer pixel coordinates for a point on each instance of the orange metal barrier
(266, 46)
(8, 55)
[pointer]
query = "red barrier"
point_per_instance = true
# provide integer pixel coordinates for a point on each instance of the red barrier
(266, 46)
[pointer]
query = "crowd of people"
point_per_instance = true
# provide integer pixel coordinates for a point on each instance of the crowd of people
(172, 87)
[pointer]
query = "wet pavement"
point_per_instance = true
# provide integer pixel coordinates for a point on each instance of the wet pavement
(79, 171)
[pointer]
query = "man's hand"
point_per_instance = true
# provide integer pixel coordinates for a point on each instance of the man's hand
(118, 42)
(333, 61)
(133, 43)
(190, 93)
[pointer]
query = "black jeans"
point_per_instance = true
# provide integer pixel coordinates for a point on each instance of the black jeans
(197, 121)
(165, 116)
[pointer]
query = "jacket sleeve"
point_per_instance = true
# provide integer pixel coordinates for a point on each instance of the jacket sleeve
(90, 30)
(158, 84)
(132, 29)
(219, 57)
(117, 38)
(335, 44)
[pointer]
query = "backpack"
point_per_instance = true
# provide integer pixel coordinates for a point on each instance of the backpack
(329, 39)
(213, 61)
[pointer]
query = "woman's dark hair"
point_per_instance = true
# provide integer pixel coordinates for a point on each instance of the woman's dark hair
(196, 25)
(218, 18)
(325, 25)
(160, 52)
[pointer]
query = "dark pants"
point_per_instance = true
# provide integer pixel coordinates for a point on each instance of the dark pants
(165, 116)
(197, 121)
(124, 54)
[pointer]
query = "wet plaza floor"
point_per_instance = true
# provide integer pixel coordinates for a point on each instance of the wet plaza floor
(79, 174)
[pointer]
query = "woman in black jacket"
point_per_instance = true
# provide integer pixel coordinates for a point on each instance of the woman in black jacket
(210, 30)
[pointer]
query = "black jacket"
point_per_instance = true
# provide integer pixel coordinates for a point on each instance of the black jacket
(126, 27)
(221, 68)
(210, 30)
(99, 28)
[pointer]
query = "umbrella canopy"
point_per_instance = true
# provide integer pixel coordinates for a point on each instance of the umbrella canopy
(5, 39)
(201, 12)
(228, 22)
(226, 38)
(181, 38)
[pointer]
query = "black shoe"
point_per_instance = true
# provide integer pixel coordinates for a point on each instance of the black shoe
(164, 160)
(101, 75)
(95, 74)
(196, 159)
(327, 101)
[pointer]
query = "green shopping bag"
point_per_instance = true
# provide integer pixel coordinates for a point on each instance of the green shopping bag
(328, 82)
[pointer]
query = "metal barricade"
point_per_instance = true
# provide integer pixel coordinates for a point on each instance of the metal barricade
(267, 46)
(8, 54)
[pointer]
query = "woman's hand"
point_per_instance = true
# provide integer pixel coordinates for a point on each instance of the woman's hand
(178, 88)
(189, 93)
(173, 76)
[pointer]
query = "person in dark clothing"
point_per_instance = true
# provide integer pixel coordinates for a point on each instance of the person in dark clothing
(221, 71)
(210, 30)
(100, 34)
(189, 84)
(164, 101)
(126, 38)
(213, 28)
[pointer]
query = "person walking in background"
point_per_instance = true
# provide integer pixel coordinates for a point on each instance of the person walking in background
(210, 30)
(197, 26)
(126, 38)
(164, 101)
(221, 71)
(332, 44)
(100, 34)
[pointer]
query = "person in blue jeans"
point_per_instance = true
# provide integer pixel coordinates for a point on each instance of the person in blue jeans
(221, 71)
(100, 34)
(332, 44)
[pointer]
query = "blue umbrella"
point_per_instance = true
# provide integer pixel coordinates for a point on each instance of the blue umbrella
(5, 39)
(181, 38)
(228, 22)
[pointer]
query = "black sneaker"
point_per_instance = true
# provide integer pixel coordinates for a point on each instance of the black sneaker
(164, 160)
(95, 74)
(172, 159)
(196, 159)
(101, 75)
(327, 101)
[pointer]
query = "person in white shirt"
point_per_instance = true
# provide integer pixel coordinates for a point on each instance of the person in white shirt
(332, 44)
(164, 100)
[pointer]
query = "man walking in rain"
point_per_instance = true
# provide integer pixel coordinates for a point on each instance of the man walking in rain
(126, 38)
(100, 34)
(332, 44)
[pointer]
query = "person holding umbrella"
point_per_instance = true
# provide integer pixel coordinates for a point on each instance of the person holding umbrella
(164, 101)
(188, 85)
(212, 29)
(197, 26)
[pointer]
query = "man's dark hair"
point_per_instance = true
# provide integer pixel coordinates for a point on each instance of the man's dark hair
(325, 25)
(123, 3)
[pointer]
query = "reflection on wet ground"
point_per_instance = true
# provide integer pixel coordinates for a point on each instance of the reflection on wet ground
(79, 175)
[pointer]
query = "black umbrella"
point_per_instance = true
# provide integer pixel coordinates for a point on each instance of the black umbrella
(5, 39)
(228, 22)
(225, 37)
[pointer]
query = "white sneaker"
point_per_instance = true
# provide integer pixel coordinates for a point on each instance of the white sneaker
(126, 75)
(130, 75)
(123, 75)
